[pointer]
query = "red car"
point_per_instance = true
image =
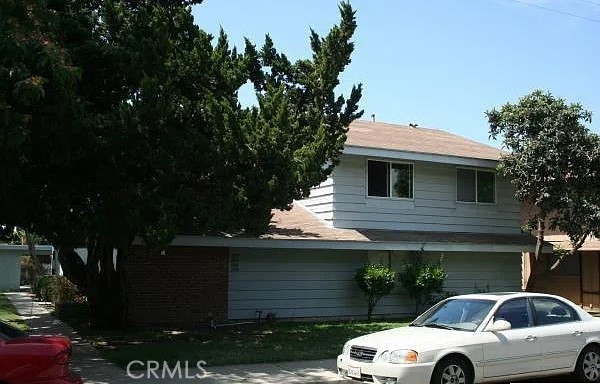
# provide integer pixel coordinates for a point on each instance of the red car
(34, 359)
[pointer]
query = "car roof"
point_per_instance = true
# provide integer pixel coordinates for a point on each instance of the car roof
(501, 296)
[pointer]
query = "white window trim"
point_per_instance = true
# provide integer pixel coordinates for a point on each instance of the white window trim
(476, 201)
(389, 181)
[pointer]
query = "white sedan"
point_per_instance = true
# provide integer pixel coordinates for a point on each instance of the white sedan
(480, 338)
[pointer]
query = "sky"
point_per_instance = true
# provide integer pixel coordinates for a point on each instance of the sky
(436, 63)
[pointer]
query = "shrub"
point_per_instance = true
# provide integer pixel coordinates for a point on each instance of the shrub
(422, 279)
(42, 288)
(63, 290)
(57, 289)
(376, 281)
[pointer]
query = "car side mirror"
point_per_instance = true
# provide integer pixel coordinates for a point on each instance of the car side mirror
(499, 326)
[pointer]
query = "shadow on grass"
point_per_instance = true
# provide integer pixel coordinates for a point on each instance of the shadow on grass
(241, 344)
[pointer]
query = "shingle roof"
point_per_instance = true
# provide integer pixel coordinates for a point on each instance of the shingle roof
(378, 135)
(299, 224)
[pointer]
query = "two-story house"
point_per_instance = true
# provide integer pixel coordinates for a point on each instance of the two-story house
(397, 189)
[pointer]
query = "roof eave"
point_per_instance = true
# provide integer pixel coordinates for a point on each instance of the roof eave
(418, 156)
(240, 242)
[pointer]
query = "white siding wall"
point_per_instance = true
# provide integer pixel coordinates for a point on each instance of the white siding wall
(319, 283)
(10, 270)
(320, 201)
(434, 207)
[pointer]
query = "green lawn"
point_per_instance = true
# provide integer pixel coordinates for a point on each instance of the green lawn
(9, 314)
(285, 341)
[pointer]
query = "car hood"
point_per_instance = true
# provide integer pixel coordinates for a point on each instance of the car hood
(415, 338)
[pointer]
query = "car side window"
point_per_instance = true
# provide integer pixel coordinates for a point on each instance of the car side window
(517, 312)
(552, 311)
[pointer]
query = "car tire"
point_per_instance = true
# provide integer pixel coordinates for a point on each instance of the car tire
(587, 369)
(451, 370)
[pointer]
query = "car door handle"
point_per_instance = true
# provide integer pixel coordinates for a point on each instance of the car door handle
(531, 338)
(577, 333)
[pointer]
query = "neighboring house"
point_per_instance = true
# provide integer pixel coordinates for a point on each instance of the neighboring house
(10, 263)
(396, 190)
(576, 277)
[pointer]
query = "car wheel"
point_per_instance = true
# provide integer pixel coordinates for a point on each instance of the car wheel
(451, 370)
(587, 369)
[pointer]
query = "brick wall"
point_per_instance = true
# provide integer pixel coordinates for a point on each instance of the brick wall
(182, 288)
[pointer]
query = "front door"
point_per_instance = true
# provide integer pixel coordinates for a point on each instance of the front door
(590, 278)
(514, 351)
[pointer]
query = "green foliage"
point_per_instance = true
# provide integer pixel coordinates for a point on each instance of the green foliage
(422, 279)
(55, 289)
(42, 288)
(120, 120)
(554, 162)
(63, 290)
(376, 281)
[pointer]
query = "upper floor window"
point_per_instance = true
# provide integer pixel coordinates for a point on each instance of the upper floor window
(387, 179)
(475, 185)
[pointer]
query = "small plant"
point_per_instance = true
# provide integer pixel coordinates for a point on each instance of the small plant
(42, 288)
(376, 281)
(422, 279)
(57, 289)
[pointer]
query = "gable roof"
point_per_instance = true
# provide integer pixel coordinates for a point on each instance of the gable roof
(376, 135)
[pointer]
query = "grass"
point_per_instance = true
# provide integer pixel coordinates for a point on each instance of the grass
(243, 345)
(9, 314)
(265, 343)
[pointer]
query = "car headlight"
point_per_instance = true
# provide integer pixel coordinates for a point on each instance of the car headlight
(398, 356)
(346, 349)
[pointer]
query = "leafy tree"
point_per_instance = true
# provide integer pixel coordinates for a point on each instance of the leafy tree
(554, 164)
(422, 279)
(376, 281)
(120, 120)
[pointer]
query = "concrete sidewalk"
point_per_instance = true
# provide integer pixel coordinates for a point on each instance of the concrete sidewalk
(88, 362)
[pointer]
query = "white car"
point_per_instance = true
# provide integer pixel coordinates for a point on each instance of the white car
(480, 338)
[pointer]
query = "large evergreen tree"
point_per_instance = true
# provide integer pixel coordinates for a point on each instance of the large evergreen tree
(120, 120)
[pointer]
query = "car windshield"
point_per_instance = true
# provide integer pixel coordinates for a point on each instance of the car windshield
(8, 331)
(458, 314)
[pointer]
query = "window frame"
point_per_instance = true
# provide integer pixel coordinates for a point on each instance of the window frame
(389, 179)
(488, 170)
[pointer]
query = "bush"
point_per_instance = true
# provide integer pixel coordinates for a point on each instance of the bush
(42, 288)
(57, 289)
(63, 291)
(421, 279)
(376, 281)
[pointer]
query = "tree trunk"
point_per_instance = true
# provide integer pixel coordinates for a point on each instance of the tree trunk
(536, 258)
(370, 308)
(73, 267)
(38, 270)
(100, 280)
(104, 293)
(122, 278)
